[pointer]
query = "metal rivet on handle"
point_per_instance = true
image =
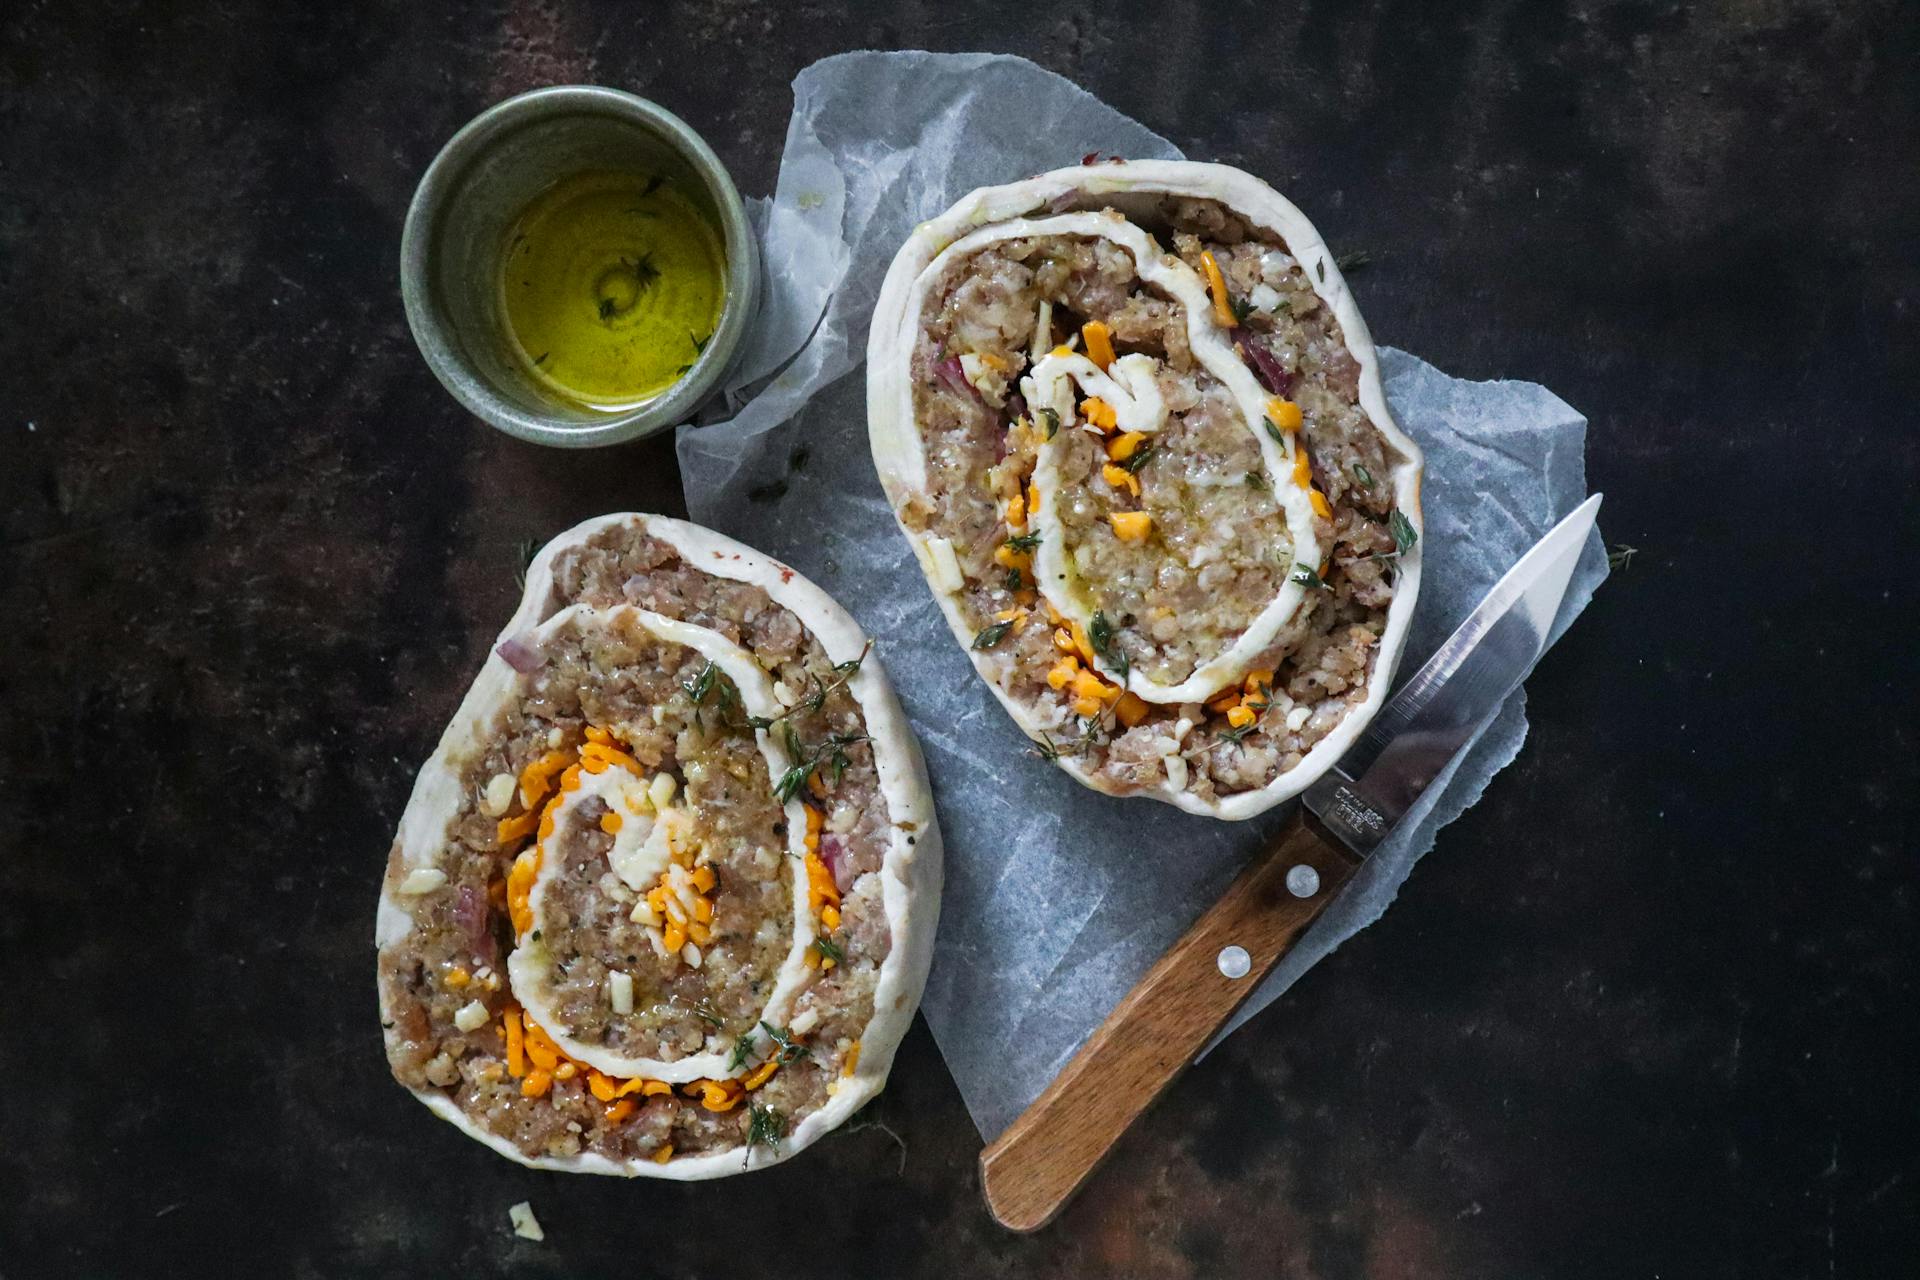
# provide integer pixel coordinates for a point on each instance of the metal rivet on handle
(1303, 881)
(1233, 962)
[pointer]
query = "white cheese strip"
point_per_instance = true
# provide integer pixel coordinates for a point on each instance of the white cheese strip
(1126, 386)
(943, 566)
(641, 853)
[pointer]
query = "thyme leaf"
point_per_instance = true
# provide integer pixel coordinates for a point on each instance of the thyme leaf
(741, 1049)
(1100, 635)
(1404, 534)
(829, 950)
(701, 685)
(991, 635)
(1352, 260)
(1255, 480)
(1363, 475)
(1024, 541)
(1620, 556)
(791, 1050)
(1051, 418)
(1305, 575)
(1241, 308)
(765, 1126)
(1138, 458)
(524, 551)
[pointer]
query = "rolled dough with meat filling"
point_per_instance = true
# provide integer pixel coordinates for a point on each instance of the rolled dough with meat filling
(1131, 422)
(663, 900)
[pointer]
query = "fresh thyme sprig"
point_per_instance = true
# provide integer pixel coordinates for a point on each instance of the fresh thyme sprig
(829, 949)
(830, 752)
(1101, 636)
(741, 1049)
(1404, 536)
(1024, 541)
(765, 1126)
(791, 1050)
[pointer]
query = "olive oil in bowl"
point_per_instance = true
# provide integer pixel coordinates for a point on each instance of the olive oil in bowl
(611, 285)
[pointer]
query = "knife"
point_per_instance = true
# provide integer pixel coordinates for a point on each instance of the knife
(1045, 1155)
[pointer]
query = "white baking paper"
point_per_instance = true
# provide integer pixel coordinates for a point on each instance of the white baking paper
(1057, 898)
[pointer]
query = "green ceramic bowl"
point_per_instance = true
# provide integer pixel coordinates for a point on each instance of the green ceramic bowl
(457, 229)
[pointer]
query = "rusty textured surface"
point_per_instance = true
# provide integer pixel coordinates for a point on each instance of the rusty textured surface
(1650, 1011)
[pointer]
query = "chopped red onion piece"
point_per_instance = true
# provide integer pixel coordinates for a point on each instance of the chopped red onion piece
(950, 372)
(1062, 202)
(836, 855)
(1267, 370)
(520, 654)
(470, 916)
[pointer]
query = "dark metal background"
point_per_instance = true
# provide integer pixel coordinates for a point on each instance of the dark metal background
(1649, 1011)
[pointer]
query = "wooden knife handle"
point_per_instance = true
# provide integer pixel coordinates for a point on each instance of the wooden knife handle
(1033, 1168)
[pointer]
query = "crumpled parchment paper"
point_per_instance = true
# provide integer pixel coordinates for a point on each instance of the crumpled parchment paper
(1057, 898)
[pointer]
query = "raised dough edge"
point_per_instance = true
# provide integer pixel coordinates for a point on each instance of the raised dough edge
(911, 867)
(894, 437)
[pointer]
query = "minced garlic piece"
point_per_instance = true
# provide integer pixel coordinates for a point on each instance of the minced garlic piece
(471, 1017)
(424, 880)
(620, 991)
(499, 794)
(525, 1225)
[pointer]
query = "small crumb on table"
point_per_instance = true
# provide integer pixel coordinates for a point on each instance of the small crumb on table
(525, 1225)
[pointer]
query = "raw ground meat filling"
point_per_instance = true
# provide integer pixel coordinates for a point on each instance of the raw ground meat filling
(1151, 497)
(656, 924)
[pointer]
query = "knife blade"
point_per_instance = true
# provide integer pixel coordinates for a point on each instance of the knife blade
(1446, 703)
(1049, 1151)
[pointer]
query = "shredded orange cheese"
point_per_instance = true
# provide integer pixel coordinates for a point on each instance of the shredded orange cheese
(1120, 478)
(1099, 340)
(853, 1060)
(1131, 526)
(1302, 468)
(1131, 709)
(1123, 446)
(1320, 505)
(664, 1154)
(1284, 413)
(1099, 413)
(1217, 286)
(1240, 716)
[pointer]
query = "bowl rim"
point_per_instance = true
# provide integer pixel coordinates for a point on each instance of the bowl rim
(432, 332)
